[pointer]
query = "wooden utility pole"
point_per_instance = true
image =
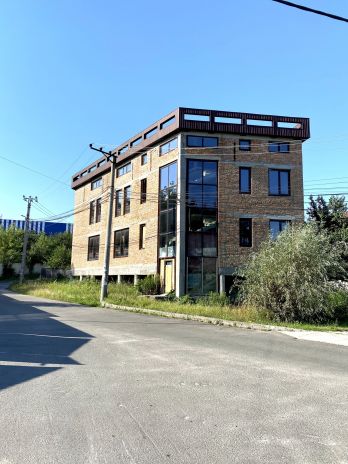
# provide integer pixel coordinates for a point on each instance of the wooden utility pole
(105, 276)
(29, 201)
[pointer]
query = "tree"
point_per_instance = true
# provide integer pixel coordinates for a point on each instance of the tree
(331, 215)
(290, 276)
(52, 250)
(11, 244)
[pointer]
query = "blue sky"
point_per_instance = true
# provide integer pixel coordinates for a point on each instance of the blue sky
(75, 72)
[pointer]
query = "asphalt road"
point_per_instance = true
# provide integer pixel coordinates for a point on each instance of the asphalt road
(84, 385)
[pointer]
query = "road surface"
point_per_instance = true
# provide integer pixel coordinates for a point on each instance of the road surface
(86, 385)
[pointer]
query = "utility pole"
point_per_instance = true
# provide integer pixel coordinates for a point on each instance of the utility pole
(105, 276)
(29, 200)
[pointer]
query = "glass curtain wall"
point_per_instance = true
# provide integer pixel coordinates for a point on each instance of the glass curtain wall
(167, 210)
(202, 199)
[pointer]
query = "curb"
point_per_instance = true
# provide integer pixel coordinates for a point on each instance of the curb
(204, 319)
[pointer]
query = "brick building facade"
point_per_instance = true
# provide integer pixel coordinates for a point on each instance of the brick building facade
(195, 194)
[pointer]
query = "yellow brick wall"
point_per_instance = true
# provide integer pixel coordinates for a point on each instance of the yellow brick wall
(139, 261)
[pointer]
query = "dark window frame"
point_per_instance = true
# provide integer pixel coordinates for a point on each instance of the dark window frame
(248, 148)
(242, 240)
(118, 199)
(279, 194)
(124, 247)
(202, 139)
(123, 170)
(163, 148)
(144, 159)
(126, 199)
(142, 236)
(285, 223)
(278, 146)
(92, 249)
(143, 190)
(167, 206)
(96, 183)
(248, 169)
(92, 209)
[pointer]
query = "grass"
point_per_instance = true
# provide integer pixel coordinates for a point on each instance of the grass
(87, 293)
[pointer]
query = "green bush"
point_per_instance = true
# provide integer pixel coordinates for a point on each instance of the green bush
(290, 276)
(213, 299)
(150, 285)
(338, 302)
(185, 300)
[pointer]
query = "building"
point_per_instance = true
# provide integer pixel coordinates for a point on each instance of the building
(195, 193)
(49, 228)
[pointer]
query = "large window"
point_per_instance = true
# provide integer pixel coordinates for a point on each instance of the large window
(245, 232)
(124, 169)
(279, 182)
(278, 147)
(167, 219)
(127, 200)
(201, 210)
(95, 211)
(93, 248)
(244, 180)
(167, 147)
(121, 243)
(277, 226)
(198, 141)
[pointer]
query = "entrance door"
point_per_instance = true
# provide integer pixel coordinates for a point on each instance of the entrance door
(168, 276)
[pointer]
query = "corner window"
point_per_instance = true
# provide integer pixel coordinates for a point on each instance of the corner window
(169, 146)
(279, 182)
(124, 169)
(244, 180)
(245, 232)
(121, 243)
(93, 248)
(143, 189)
(167, 207)
(96, 183)
(277, 226)
(244, 145)
(197, 141)
(278, 147)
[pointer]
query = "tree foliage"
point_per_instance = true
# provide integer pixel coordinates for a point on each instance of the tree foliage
(50, 250)
(290, 276)
(331, 215)
(11, 244)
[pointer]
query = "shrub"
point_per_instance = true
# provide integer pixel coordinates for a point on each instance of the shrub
(338, 303)
(185, 300)
(290, 276)
(213, 299)
(149, 285)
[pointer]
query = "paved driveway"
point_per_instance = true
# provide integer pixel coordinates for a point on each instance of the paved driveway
(84, 385)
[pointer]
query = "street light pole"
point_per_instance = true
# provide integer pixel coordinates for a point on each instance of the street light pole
(106, 265)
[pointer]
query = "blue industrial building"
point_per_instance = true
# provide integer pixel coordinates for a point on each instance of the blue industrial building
(49, 228)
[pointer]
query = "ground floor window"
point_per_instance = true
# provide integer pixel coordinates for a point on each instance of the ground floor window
(93, 248)
(201, 275)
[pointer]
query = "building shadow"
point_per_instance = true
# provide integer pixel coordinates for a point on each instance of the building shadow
(33, 342)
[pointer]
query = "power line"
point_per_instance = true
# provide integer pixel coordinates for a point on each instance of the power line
(33, 170)
(312, 10)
